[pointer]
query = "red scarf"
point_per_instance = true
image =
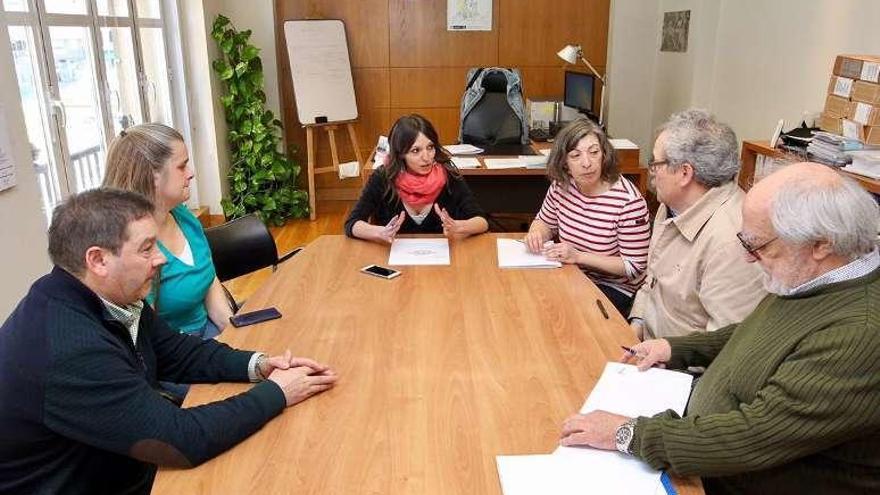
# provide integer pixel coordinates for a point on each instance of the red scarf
(420, 190)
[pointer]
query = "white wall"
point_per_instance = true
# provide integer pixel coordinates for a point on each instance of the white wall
(210, 153)
(751, 62)
(23, 256)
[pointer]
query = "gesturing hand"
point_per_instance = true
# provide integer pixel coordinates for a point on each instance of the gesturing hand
(562, 252)
(451, 226)
(389, 231)
(534, 242)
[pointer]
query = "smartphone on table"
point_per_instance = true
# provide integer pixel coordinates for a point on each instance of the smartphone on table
(380, 271)
(254, 317)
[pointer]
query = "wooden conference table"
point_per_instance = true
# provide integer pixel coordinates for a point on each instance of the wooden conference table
(441, 369)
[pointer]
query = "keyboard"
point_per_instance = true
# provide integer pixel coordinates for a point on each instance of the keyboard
(539, 135)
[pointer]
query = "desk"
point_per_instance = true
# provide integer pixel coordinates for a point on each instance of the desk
(441, 369)
(751, 150)
(521, 190)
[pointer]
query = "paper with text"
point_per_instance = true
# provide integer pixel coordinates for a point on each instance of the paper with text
(512, 253)
(419, 252)
(465, 162)
(623, 389)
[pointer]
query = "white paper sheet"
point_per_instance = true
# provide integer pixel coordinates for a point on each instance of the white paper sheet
(462, 149)
(419, 252)
(465, 162)
(594, 472)
(512, 253)
(533, 161)
(623, 389)
(623, 144)
(545, 151)
(502, 163)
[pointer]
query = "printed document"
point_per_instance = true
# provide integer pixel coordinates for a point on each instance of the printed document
(512, 253)
(419, 252)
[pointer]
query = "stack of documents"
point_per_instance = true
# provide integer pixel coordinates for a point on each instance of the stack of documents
(512, 253)
(522, 161)
(465, 162)
(865, 163)
(622, 389)
(623, 144)
(419, 252)
(462, 149)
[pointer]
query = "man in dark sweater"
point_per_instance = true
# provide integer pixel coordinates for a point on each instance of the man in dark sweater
(81, 357)
(790, 401)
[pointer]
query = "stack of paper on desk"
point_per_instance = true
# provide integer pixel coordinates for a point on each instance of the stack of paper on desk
(621, 389)
(522, 161)
(462, 149)
(512, 253)
(465, 162)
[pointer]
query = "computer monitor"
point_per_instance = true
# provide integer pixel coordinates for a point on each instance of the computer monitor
(579, 91)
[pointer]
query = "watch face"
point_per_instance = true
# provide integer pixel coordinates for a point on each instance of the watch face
(623, 436)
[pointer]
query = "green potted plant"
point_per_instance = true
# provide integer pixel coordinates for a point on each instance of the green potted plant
(261, 178)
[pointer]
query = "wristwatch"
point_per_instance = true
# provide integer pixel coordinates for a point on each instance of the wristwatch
(258, 365)
(623, 437)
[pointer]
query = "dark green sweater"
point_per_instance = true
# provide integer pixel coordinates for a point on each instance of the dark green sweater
(790, 402)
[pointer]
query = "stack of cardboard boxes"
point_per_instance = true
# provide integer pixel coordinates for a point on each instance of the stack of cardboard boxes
(852, 107)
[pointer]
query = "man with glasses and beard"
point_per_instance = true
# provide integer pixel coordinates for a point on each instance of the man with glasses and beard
(696, 279)
(790, 401)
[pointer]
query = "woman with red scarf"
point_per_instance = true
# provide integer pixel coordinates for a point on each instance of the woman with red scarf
(417, 191)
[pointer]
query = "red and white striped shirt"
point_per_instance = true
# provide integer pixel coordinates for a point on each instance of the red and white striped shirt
(614, 223)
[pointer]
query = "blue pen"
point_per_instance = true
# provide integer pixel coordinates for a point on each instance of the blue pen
(628, 350)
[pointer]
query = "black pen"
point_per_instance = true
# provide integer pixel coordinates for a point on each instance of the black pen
(602, 308)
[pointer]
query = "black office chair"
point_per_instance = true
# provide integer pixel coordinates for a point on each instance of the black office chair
(492, 121)
(242, 246)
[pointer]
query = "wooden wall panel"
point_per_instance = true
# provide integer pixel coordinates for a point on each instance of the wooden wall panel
(427, 87)
(404, 61)
(419, 37)
(532, 31)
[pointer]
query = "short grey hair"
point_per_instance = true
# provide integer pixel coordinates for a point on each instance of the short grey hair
(694, 136)
(98, 217)
(839, 212)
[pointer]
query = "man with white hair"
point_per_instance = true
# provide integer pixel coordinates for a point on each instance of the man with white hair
(790, 401)
(696, 280)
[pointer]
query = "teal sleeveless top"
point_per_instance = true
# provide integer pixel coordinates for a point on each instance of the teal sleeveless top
(182, 288)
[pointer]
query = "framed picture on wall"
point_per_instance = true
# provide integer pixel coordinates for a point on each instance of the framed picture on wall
(468, 15)
(675, 31)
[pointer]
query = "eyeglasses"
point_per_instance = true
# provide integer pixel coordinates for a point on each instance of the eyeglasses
(653, 164)
(753, 251)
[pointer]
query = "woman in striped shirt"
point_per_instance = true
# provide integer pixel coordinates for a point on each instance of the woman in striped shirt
(599, 217)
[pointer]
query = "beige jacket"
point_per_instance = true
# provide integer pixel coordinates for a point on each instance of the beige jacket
(697, 277)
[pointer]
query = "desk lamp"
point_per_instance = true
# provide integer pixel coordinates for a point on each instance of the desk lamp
(571, 54)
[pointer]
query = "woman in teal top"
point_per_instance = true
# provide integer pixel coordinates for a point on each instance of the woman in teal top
(152, 159)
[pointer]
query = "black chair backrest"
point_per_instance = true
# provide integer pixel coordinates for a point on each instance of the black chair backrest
(241, 246)
(492, 121)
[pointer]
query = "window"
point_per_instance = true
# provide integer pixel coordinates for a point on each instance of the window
(86, 69)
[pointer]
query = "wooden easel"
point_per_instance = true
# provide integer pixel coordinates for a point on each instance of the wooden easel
(330, 128)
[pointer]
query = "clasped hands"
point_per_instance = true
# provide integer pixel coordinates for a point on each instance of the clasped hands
(298, 377)
(597, 429)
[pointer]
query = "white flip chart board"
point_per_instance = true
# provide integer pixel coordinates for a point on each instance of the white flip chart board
(321, 71)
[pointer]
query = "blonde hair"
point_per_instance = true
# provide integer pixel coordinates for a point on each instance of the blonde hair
(137, 154)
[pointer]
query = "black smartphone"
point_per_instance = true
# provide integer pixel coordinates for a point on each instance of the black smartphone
(253, 317)
(380, 271)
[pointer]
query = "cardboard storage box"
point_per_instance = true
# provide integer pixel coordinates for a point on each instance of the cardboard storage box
(837, 107)
(830, 124)
(866, 92)
(864, 113)
(864, 67)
